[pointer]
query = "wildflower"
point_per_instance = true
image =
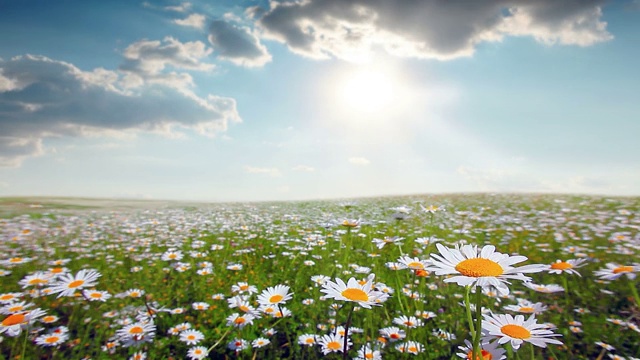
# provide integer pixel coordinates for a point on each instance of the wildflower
(237, 345)
(518, 330)
(380, 243)
(568, 266)
(243, 287)
(353, 291)
(392, 333)
(614, 271)
(527, 307)
(367, 353)
(15, 261)
(68, 284)
(488, 351)
(551, 288)
(13, 308)
(408, 321)
(36, 279)
(205, 271)
(410, 347)
(95, 295)
(320, 279)
(176, 311)
(197, 353)
(443, 335)
(217, 297)
(414, 263)
(134, 293)
(201, 306)
(307, 339)
(333, 343)
(260, 342)
(234, 267)
(49, 319)
(53, 339)
(138, 355)
(13, 324)
(240, 321)
(191, 337)
(425, 314)
(275, 295)
(136, 333)
(172, 255)
(183, 327)
(480, 267)
(605, 346)
(350, 223)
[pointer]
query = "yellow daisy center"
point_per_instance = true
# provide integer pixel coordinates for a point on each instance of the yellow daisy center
(52, 339)
(415, 265)
(96, 295)
(13, 319)
(7, 297)
(56, 270)
(243, 308)
(37, 281)
(413, 349)
(334, 345)
(309, 341)
(16, 308)
(562, 265)
(394, 336)
(239, 321)
(479, 267)
(485, 355)
(355, 295)
(136, 330)
(276, 298)
(191, 337)
(526, 309)
(515, 331)
(15, 260)
(75, 284)
(48, 319)
(134, 294)
(623, 269)
(368, 356)
(244, 287)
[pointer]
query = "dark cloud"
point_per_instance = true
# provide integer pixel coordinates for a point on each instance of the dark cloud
(237, 44)
(41, 97)
(349, 29)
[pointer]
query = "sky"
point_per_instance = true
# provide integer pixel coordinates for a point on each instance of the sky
(240, 100)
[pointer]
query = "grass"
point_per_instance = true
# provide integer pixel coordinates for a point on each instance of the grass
(288, 243)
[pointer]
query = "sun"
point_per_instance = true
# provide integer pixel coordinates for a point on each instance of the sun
(368, 91)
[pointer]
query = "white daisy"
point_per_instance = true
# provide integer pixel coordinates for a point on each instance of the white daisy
(68, 284)
(489, 351)
(568, 266)
(333, 343)
(517, 330)
(480, 267)
(362, 294)
(278, 294)
(614, 271)
(191, 337)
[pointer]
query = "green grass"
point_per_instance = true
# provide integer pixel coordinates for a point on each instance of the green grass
(273, 241)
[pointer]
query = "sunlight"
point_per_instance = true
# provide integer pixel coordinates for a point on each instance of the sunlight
(367, 91)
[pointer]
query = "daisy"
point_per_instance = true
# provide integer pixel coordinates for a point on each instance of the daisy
(568, 266)
(320, 279)
(57, 271)
(367, 353)
(353, 291)
(217, 297)
(39, 278)
(410, 347)
(392, 333)
(201, 306)
(410, 321)
(138, 355)
(605, 346)
(240, 321)
(614, 271)
(234, 267)
(488, 350)
(260, 342)
(527, 307)
(551, 288)
(333, 343)
(307, 339)
(191, 337)
(278, 294)
(9, 297)
(13, 308)
(53, 339)
(414, 263)
(243, 287)
(134, 293)
(518, 330)
(95, 295)
(480, 267)
(49, 319)
(172, 255)
(380, 243)
(197, 353)
(68, 284)
(238, 345)
(13, 324)
(136, 333)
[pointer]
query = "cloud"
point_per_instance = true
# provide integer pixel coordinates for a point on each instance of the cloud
(304, 168)
(237, 44)
(184, 7)
(50, 98)
(273, 172)
(193, 20)
(352, 29)
(359, 161)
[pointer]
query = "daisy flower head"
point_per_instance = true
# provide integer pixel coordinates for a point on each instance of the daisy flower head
(333, 343)
(527, 307)
(191, 337)
(95, 295)
(410, 347)
(547, 289)
(275, 295)
(517, 330)
(260, 342)
(614, 271)
(172, 255)
(369, 353)
(197, 353)
(408, 321)
(354, 291)
(392, 333)
(488, 351)
(243, 287)
(68, 284)
(200, 306)
(240, 321)
(238, 345)
(53, 339)
(9, 297)
(480, 267)
(307, 339)
(134, 293)
(414, 263)
(568, 266)
(13, 324)
(136, 333)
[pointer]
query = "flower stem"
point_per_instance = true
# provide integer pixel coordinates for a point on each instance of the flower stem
(467, 304)
(634, 291)
(478, 332)
(346, 333)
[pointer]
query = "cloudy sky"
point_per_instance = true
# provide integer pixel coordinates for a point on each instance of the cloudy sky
(284, 100)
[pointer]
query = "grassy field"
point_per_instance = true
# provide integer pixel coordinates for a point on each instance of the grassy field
(91, 279)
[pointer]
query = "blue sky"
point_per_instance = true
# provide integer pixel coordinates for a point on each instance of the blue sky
(256, 100)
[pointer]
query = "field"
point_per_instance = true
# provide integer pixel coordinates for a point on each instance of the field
(90, 279)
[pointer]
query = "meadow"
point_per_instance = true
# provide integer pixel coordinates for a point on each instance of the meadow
(390, 278)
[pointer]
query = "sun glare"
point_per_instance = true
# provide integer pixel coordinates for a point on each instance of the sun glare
(367, 91)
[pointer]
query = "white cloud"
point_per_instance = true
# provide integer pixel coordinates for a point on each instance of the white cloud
(359, 161)
(50, 98)
(194, 20)
(238, 45)
(304, 168)
(273, 172)
(184, 7)
(352, 29)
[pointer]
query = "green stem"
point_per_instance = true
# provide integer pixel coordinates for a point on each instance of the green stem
(467, 304)
(478, 332)
(219, 341)
(24, 342)
(566, 289)
(533, 354)
(634, 291)
(346, 333)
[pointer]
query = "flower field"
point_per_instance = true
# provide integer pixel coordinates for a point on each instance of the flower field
(425, 277)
